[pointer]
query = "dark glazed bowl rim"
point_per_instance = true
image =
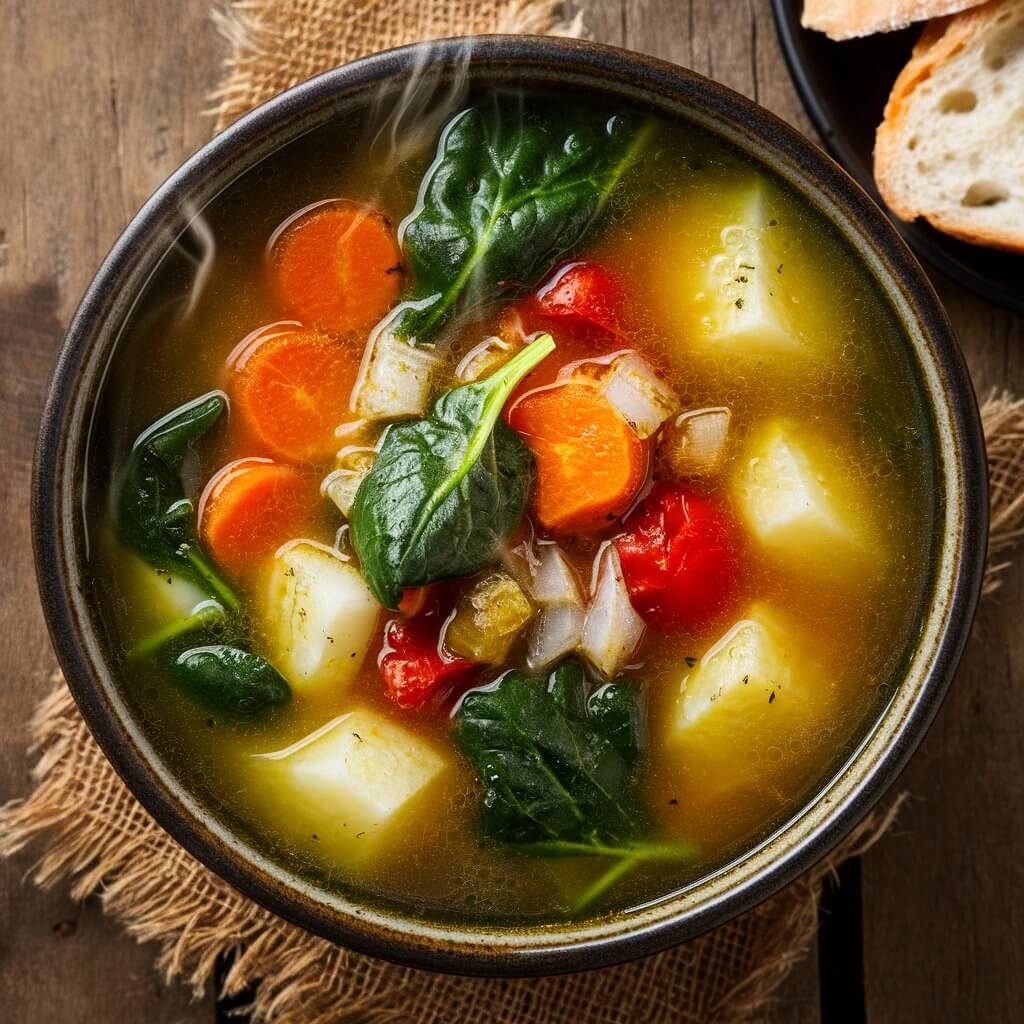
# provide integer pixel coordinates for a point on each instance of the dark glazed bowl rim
(58, 536)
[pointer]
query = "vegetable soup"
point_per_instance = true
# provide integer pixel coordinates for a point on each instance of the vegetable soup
(515, 526)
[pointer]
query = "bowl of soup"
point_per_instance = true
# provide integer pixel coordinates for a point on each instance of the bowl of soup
(509, 506)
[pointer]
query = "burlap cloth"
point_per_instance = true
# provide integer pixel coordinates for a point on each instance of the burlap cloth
(98, 838)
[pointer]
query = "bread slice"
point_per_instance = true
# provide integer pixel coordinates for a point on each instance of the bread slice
(951, 147)
(847, 19)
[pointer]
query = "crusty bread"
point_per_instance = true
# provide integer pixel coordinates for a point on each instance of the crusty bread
(847, 19)
(951, 147)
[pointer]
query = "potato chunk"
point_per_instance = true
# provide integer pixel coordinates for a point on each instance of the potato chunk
(791, 495)
(748, 720)
(320, 618)
(348, 783)
(745, 305)
(739, 680)
(160, 596)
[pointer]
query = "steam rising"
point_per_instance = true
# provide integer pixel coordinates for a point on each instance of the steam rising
(402, 128)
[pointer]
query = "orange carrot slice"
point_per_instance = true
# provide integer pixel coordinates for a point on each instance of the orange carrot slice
(250, 508)
(590, 463)
(337, 265)
(292, 389)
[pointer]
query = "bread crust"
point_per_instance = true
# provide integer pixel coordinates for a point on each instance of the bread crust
(941, 40)
(847, 19)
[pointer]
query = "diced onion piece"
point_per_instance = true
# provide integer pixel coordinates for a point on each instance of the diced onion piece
(483, 359)
(554, 581)
(613, 629)
(694, 443)
(556, 632)
(644, 399)
(320, 618)
(488, 618)
(341, 485)
(394, 380)
(349, 783)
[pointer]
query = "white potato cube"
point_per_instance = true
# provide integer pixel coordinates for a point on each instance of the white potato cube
(791, 496)
(349, 782)
(320, 618)
(746, 304)
(740, 677)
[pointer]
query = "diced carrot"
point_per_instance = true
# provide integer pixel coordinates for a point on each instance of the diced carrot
(250, 508)
(337, 265)
(590, 463)
(292, 389)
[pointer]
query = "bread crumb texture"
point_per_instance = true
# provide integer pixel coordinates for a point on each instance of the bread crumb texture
(951, 147)
(848, 19)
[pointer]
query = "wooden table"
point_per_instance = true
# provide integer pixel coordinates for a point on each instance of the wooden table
(99, 101)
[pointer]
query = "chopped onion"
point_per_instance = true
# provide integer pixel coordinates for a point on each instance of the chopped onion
(484, 359)
(341, 485)
(613, 629)
(556, 632)
(694, 443)
(643, 398)
(394, 379)
(554, 582)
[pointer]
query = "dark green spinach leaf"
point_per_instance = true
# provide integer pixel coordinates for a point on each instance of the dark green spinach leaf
(559, 771)
(512, 189)
(151, 513)
(227, 678)
(445, 491)
(555, 764)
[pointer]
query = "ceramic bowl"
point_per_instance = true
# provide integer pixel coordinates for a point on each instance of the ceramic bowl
(578, 67)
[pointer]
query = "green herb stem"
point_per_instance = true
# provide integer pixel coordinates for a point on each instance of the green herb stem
(604, 882)
(644, 851)
(205, 614)
(212, 578)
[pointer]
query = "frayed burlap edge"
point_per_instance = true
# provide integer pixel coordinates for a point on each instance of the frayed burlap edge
(276, 44)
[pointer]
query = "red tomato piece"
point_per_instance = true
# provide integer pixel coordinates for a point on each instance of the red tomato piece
(413, 662)
(583, 291)
(679, 558)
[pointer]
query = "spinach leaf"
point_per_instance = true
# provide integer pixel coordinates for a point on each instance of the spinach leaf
(151, 513)
(445, 491)
(559, 767)
(556, 766)
(227, 678)
(511, 190)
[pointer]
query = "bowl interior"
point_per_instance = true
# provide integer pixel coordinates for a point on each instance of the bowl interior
(61, 471)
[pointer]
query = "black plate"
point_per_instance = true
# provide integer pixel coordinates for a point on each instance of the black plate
(844, 87)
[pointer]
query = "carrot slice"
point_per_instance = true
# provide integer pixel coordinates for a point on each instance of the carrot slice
(292, 389)
(337, 266)
(250, 508)
(590, 463)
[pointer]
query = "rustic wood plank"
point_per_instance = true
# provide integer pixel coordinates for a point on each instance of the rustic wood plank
(944, 892)
(99, 103)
